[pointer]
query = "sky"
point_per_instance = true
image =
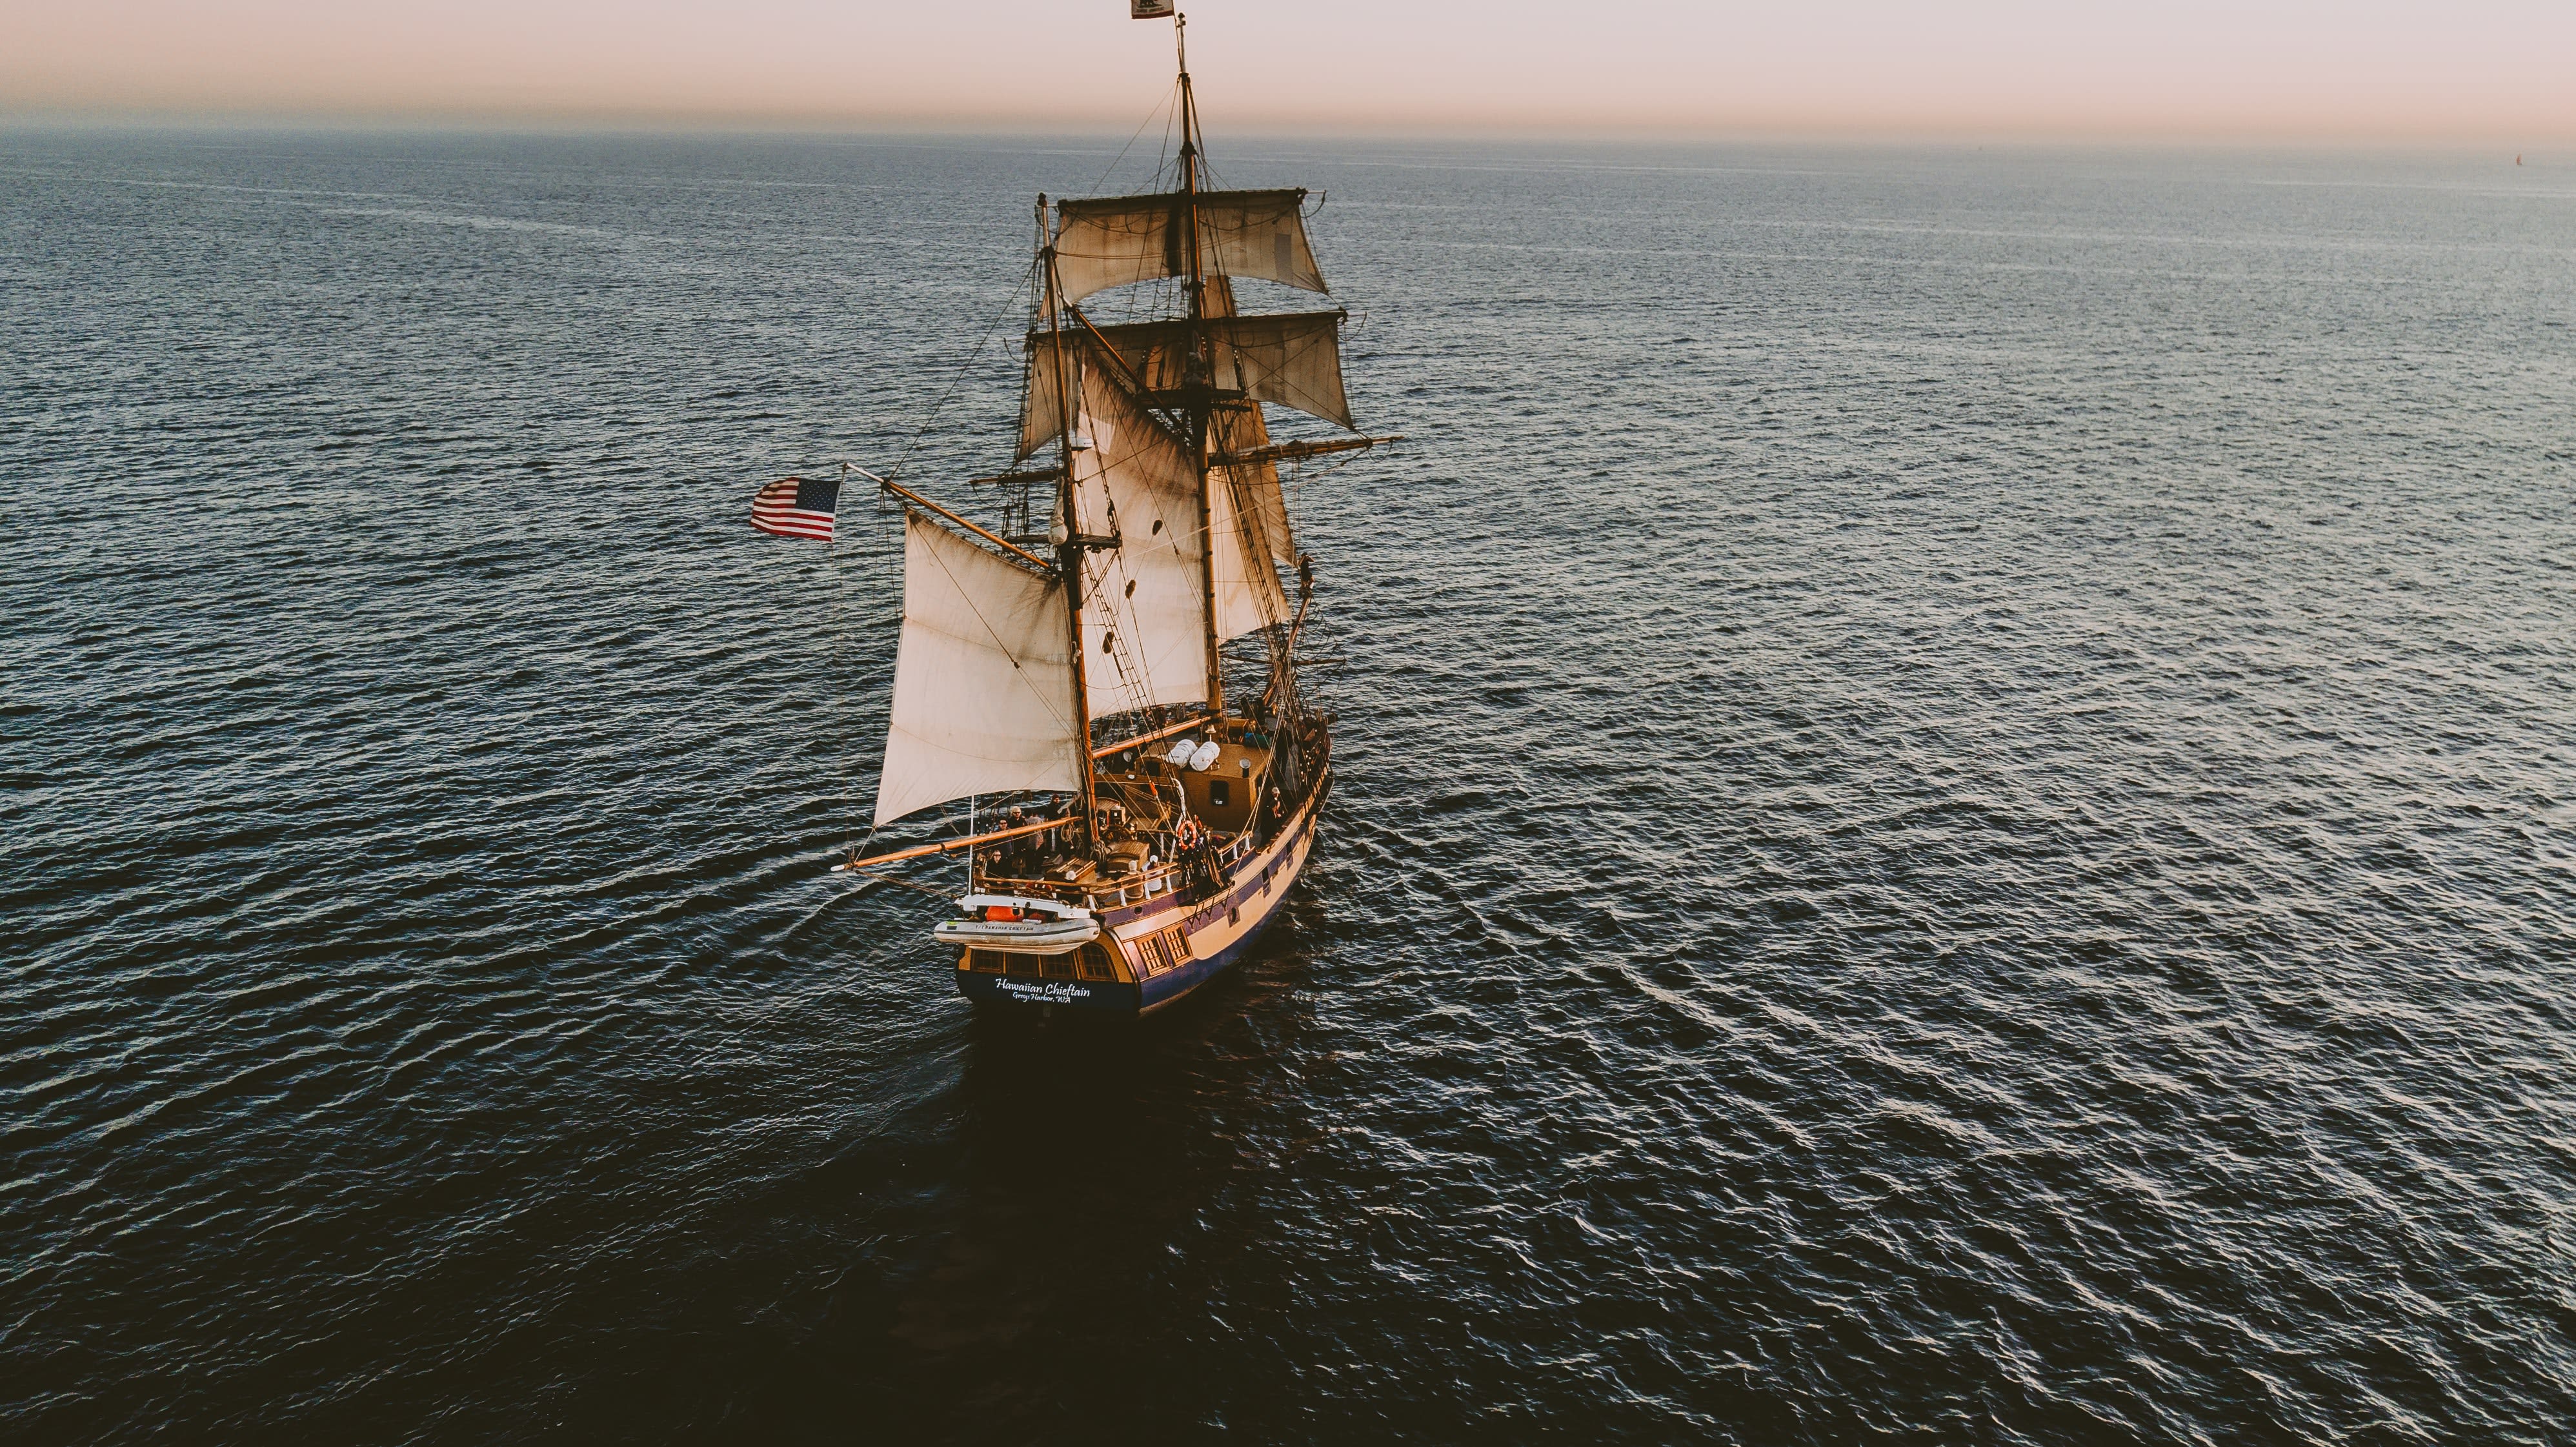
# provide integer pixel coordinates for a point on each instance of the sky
(2482, 72)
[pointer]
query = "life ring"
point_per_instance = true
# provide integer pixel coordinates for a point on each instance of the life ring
(1190, 834)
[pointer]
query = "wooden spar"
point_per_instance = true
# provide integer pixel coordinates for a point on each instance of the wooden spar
(1207, 564)
(1069, 549)
(1034, 474)
(1186, 217)
(1135, 379)
(1127, 372)
(1282, 452)
(1184, 726)
(908, 495)
(948, 846)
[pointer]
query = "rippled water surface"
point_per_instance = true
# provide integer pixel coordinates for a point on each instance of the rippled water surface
(1955, 813)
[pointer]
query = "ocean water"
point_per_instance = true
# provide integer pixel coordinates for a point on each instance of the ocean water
(1956, 823)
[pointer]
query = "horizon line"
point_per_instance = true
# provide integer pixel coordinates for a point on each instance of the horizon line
(1884, 130)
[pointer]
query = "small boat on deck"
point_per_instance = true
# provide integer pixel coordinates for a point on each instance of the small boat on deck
(1017, 925)
(1073, 680)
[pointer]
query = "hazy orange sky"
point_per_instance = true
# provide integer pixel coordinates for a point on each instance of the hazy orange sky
(2499, 72)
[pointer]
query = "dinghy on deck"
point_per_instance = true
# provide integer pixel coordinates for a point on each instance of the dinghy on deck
(1016, 925)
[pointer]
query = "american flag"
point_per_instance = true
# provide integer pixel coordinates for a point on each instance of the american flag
(796, 507)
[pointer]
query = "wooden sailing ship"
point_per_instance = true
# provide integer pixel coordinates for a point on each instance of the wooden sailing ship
(1071, 683)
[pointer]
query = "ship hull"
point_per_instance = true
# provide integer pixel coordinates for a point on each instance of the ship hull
(1168, 948)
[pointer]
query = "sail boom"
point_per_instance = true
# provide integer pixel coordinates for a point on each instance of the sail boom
(1194, 722)
(951, 846)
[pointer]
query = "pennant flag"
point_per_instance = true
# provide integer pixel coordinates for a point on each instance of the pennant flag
(796, 507)
(1149, 9)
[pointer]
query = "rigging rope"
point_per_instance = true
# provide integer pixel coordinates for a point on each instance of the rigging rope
(1163, 110)
(954, 379)
(1137, 695)
(843, 586)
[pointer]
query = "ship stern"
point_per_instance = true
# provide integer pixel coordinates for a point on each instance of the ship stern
(1083, 982)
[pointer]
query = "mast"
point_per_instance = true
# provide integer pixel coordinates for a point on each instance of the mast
(1068, 540)
(1189, 128)
(979, 704)
(1200, 377)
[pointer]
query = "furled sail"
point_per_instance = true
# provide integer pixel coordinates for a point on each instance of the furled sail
(1144, 621)
(983, 690)
(1123, 240)
(1293, 359)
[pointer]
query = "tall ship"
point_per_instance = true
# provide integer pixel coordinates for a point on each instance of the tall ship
(1142, 816)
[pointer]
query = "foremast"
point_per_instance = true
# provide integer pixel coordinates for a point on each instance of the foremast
(1068, 539)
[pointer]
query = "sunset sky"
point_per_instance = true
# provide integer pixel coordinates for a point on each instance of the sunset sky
(2471, 71)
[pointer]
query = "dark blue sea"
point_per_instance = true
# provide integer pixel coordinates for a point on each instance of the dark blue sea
(1956, 815)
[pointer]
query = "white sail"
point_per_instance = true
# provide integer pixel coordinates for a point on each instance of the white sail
(1144, 628)
(1258, 486)
(983, 687)
(1248, 597)
(1293, 359)
(1043, 397)
(1123, 240)
(1236, 430)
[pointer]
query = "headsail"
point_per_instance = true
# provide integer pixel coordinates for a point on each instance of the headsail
(983, 690)
(1123, 240)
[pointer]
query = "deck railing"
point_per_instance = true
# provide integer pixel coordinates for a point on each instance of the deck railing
(1112, 891)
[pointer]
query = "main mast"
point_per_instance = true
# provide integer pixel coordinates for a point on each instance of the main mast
(1200, 380)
